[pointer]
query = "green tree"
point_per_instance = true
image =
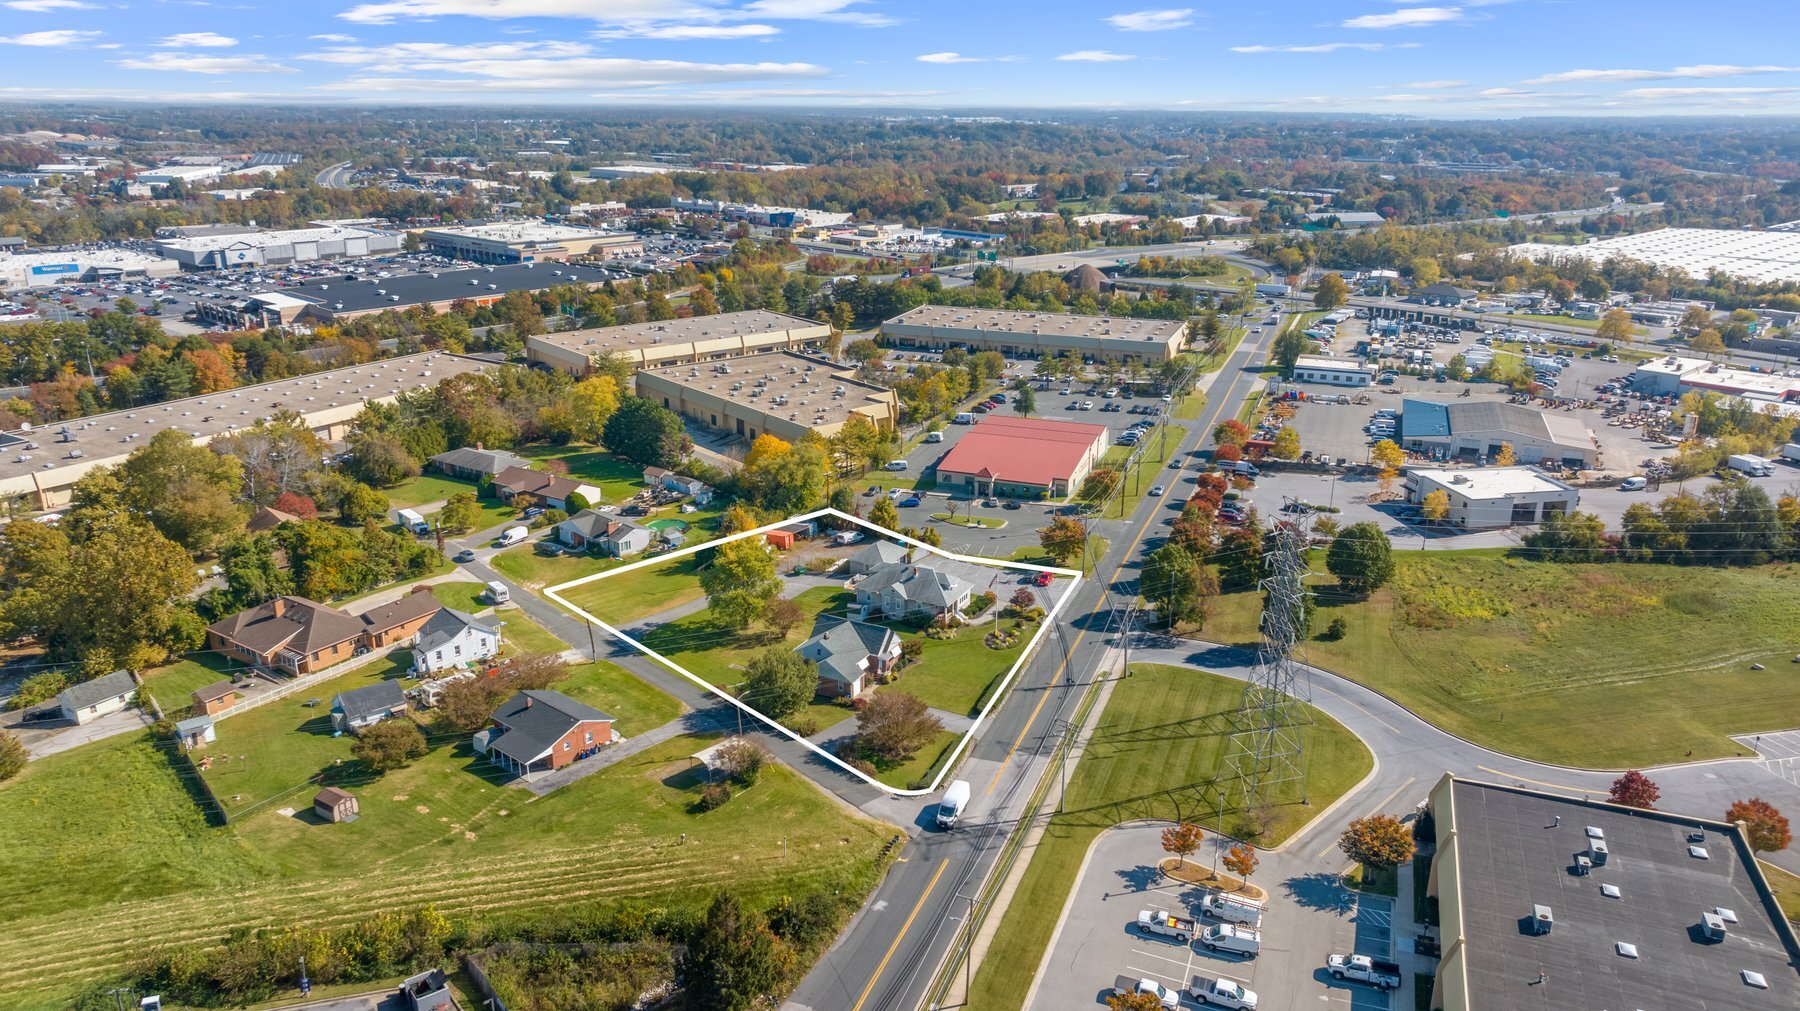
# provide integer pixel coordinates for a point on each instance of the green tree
(1064, 539)
(883, 514)
(1289, 346)
(779, 681)
(1025, 400)
(1361, 557)
(186, 491)
(740, 578)
(1180, 585)
(645, 433)
(380, 460)
(12, 756)
(461, 512)
(732, 960)
(1379, 840)
(1425, 271)
(361, 503)
(1331, 292)
(389, 745)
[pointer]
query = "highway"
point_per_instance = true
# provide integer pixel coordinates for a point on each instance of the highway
(337, 177)
(889, 953)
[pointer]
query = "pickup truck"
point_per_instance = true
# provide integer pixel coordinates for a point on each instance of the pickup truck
(1221, 992)
(1125, 986)
(1375, 972)
(1160, 922)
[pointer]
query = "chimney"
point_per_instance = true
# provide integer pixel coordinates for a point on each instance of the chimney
(278, 606)
(528, 701)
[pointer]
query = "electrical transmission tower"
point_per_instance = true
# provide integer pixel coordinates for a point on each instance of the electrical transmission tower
(1267, 727)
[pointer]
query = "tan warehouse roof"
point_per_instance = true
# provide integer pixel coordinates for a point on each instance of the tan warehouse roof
(706, 334)
(1050, 323)
(805, 391)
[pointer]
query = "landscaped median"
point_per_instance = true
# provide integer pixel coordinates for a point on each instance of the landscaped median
(1159, 751)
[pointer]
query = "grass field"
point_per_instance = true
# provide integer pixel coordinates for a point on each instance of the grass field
(1786, 887)
(620, 600)
(974, 522)
(917, 769)
(616, 479)
(1037, 556)
(435, 487)
(136, 856)
(523, 565)
(1155, 753)
(1152, 468)
(173, 685)
(463, 596)
(1190, 408)
(1549, 661)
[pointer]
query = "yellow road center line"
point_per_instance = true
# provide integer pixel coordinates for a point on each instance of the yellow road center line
(904, 927)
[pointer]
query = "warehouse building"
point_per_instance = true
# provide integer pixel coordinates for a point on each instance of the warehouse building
(1023, 457)
(1030, 334)
(291, 245)
(347, 296)
(1764, 257)
(1490, 498)
(1675, 375)
(677, 341)
(1333, 371)
(41, 270)
(528, 242)
(1549, 901)
(40, 465)
(785, 395)
(1476, 430)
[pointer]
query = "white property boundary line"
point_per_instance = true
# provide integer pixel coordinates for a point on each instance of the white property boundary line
(555, 594)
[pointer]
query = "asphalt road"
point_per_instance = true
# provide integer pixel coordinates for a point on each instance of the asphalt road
(337, 177)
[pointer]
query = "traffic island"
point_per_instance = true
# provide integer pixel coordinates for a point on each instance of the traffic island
(1199, 874)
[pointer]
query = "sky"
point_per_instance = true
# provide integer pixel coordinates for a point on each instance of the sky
(1473, 58)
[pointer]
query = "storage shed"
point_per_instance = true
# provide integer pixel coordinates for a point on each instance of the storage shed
(335, 805)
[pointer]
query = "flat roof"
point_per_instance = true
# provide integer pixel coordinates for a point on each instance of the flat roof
(1119, 328)
(1515, 849)
(1755, 256)
(1029, 451)
(800, 388)
(522, 232)
(102, 438)
(265, 240)
(125, 259)
(1324, 362)
(370, 292)
(692, 330)
(1490, 482)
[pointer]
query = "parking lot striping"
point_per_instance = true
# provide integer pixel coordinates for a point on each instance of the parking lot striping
(1385, 801)
(1581, 790)
(904, 927)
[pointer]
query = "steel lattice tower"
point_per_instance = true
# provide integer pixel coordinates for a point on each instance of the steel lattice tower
(1267, 728)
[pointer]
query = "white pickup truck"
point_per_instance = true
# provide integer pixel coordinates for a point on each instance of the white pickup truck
(1125, 986)
(1160, 922)
(1221, 992)
(1382, 975)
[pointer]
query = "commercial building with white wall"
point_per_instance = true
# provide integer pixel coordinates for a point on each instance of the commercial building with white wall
(1492, 497)
(291, 245)
(41, 270)
(1675, 375)
(528, 242)
(677, 341)
(1478, 429)
(1028, 333)
(785, 395)
(1332, 371)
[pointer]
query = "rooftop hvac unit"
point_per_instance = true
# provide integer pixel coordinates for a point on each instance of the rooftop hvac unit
(76, 454)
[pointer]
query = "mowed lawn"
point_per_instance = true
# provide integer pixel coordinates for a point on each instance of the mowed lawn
(1159, 750)
(622, 599)
(523, 565)
(1608, 666)
(432, 487)
(91, 886)
(173, 685)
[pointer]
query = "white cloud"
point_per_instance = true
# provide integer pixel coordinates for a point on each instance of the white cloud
(199, 40)
(528, 66)
(1701, 70)
(333, 37)
(45, 6)
(1435, 85)
(949, 58)
(438, 54)
(1095, 56)
(842, 11)
(51, 39)
(1326, 47)
(1664, 94)
(1153, 21)
(1407, 17)
(689, 32)
(195, 63)
(624, 15)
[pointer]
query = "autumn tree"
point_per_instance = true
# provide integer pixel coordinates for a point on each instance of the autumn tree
(1425, 271)
(1331, 292)
(1182, 839)
(737, 582)
(1708, 342)
(389, 744)
(1286, 444)
(1764, 827)
(1231, 432)
(1379, 840)
(884, 514)
(1134, 1002)
(1064, 539)
(782, 615)
(894, 725)
(1634, 789)
(1181, 586)
(461, 512)
(1241, 860)
(1387, 455)
(1507, 457)
(1435, 507)
(296, 504)
(1615, 327)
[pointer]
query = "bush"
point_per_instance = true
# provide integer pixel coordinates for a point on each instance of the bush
(38, 688)
(712, 797)
(12, 756)
(979, 603)
(742, 761)
(1336, 630)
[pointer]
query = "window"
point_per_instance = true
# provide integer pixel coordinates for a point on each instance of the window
(567, 745)
(459, 649)
(590, 737)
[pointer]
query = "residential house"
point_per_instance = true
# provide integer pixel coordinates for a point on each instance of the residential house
(551, 490)
(848, 651)
(693, 487)
(912, 591)
(215, 698)
(360, 708)
(877, 555)
(335, 805)
(428, 991)
(621, 539)
(103, 696)
(537, 731)
(268, 519)
(399, 620)
(584, 527)
(475, 463)
(195, 732)
(451, 639)
(292, 633)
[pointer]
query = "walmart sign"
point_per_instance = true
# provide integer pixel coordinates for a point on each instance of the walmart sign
(43, 269)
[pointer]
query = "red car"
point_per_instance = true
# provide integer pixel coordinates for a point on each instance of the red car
(1043, 579)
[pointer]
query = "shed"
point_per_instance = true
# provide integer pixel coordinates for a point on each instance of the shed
(195, 733)
(90, 700)
(781, 539)
(335, 805)
(216, 697)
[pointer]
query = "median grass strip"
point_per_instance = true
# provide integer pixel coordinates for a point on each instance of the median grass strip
(1158, 751)
(1554, 661)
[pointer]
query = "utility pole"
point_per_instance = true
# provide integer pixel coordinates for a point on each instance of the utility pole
(969, 944)
(1067, 731)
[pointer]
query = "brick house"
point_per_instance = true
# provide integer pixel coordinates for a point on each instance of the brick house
(551, 490)
(399, 620)
(215, 698)
(846, 652)
(538, 731)
(291, 633)
(475, 463)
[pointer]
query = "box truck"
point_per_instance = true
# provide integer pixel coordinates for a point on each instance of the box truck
(413, 522)
(1750, 464)
(1791, 452)
(951, 806)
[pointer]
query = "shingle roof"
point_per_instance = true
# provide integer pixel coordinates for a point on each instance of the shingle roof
(332, 796)
(106, 686)
(588, 523)
(880, 553)
(921, 584)
(192, 725)
(393, 614)
(486, 461)
(213, 692)
(531, 721)
(370, 700)
(268, 518)
(446, 625)
(294, 622)
(840, 649)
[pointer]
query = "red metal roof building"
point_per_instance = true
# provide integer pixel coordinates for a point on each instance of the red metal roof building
(1023, 457)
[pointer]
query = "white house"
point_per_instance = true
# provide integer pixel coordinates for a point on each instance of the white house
(451, 639)
(104, 695)
(904, 591)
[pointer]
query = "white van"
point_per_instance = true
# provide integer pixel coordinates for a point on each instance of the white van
(1241, 467)
(1234, 939)
(512, 535)
(965, 418)
(497, 592)
(950, 808)
(1233, 909)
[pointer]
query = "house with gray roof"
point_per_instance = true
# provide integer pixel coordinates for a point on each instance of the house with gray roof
(912, 591)
(474, 464)
(104, 695)
(876, 555)
(360, 708)
(538, 731)
(848, 651)
(451, 639)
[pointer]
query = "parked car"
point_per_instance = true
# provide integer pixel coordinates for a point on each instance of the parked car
(910, 500)
(1041, 579)
(465, 555)
(1633, 484)
(895, 465)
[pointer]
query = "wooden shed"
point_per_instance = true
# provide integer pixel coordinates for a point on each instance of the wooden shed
(333, 804)
(215, 698)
